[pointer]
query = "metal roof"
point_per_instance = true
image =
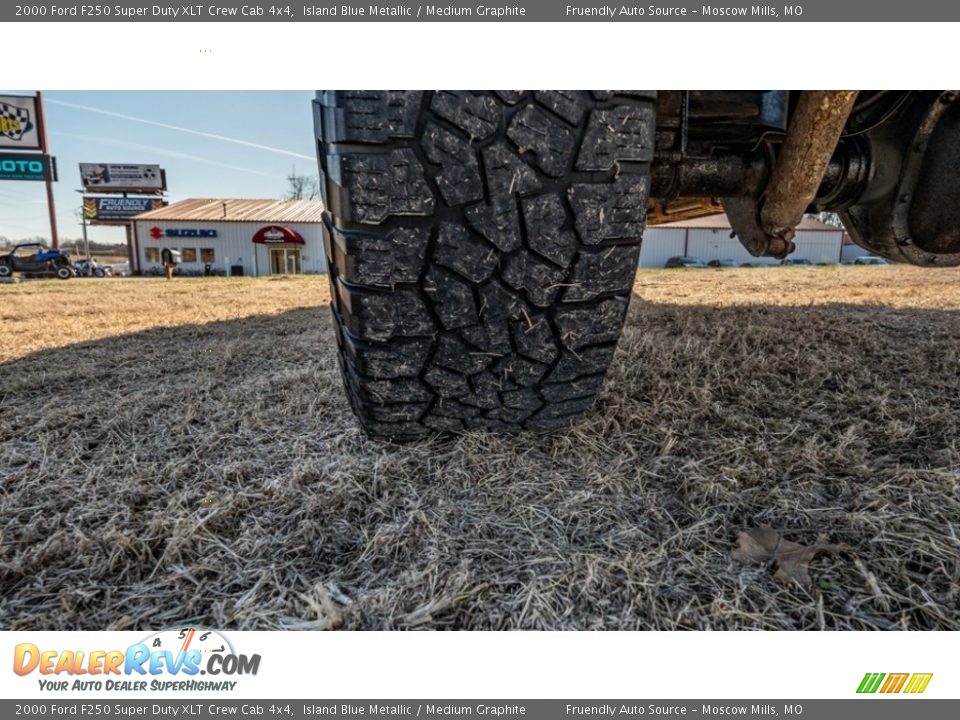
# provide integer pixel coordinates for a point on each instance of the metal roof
(260, 211)
(720, 222)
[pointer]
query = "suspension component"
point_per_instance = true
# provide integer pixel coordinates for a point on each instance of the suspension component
(812, 137)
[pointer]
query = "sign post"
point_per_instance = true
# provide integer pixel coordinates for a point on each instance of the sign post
(42, 129)
(86, 243)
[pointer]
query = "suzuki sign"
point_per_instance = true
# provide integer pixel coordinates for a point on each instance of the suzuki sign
(157, 233)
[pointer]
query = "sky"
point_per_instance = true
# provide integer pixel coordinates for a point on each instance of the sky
(215, 144)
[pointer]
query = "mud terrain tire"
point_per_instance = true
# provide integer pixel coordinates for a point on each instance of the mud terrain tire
(482, 248)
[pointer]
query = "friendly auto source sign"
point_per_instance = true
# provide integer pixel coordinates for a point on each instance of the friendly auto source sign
(105, 177)
(18, 123)
(27, 166)
(117, 209)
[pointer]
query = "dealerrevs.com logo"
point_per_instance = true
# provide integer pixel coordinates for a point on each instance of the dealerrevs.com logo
(168, 660)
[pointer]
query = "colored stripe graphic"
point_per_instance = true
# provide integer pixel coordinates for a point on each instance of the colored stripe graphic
(894, 683)
(918, 682)
(870, 682)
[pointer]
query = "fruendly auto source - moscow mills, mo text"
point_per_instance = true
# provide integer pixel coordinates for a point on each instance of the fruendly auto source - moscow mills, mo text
(632, 11)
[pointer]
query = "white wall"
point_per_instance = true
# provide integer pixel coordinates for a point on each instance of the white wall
(819, 246)
(233, 245)
(716, 244)
(659, 245)
(708, 244)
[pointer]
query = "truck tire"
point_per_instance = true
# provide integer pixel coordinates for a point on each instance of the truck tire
(481, 248)
(5, 269)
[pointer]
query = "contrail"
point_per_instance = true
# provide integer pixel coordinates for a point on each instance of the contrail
(212, 136)
(162, 151)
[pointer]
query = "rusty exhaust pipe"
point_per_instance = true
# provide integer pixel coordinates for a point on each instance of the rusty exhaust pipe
(812, 137)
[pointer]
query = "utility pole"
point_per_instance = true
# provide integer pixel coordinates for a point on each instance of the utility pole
(83, 223)
(86, 243)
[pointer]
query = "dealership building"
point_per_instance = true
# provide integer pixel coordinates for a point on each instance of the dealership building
(710, 238)
(233, 237)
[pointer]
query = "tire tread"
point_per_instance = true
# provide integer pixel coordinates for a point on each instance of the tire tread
(481, 249)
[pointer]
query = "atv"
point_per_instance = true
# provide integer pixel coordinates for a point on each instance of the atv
(482, 245)
(33, 259)
(89, 267)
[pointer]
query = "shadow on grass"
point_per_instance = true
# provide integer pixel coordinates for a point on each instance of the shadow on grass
(213, 474)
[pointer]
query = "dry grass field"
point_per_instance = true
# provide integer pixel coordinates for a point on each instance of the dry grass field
(182, 452)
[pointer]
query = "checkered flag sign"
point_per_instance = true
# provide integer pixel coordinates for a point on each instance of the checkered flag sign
(14, 121)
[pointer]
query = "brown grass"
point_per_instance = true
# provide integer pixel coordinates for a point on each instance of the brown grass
(182, 453)
(42, 315)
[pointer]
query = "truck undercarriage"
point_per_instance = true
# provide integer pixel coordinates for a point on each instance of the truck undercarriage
(885, 161)
(482, 245)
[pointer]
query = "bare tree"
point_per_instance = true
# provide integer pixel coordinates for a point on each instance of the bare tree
(302, 187)
(829, 218)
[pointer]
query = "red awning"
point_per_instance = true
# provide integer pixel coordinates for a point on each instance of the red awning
(274, 234)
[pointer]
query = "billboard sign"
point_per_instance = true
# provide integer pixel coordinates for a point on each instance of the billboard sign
(27, 166)
(117, 209)
(106, 177)
(18, 123)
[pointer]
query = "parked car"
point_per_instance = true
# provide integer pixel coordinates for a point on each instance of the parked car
(722, 263)
(795, 261)
(685, 262)
(34, 259)
(870, 260)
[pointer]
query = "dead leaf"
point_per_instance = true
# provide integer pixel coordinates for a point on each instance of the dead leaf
(764, 544)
